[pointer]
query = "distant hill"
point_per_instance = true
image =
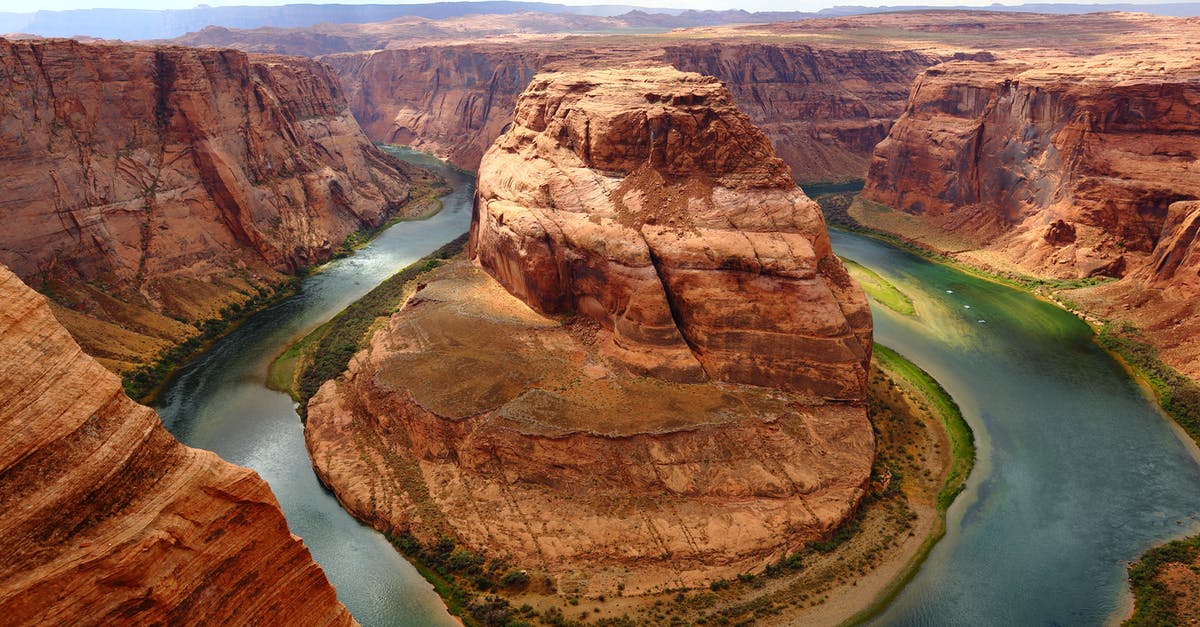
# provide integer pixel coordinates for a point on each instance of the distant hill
(133, 24)
(130, 24)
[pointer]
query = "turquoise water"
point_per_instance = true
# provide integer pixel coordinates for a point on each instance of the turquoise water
(1078, 471)
(220, 402)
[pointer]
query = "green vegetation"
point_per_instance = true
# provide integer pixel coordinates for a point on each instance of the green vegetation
(836, 208)
(1178, 395)
(1154, 604)
(325, 353)
(962, 460)
(880, 288)
(143, 383)
(962, 440)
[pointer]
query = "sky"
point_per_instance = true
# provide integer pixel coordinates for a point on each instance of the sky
(22, 6)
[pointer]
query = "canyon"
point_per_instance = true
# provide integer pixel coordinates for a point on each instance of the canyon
(1022, 144)
(825, 91)
(652, 417)
(1063, 169)
(108, 519)
(149, 190)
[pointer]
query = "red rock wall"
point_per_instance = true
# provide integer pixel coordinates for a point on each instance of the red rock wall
(824, 110)
(1065, 169)
(106, 519)
(175, 180)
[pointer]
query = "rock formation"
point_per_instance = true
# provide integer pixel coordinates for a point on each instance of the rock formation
(824, 90)
(824, 110)
(146, 188)
(107, 519)
(640, 398)
(1063, 169)
(646, 205)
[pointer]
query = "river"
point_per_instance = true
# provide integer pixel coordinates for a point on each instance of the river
(1078, 473)
(220, 402)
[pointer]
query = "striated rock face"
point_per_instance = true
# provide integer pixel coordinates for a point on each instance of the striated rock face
(107, 519)
(1162, 295)
(148, 187)
(1063, 168)
(653, 206)
(452, 101)
(824, 110)
(638, 400)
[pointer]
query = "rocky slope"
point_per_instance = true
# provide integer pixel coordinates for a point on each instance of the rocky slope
(1061, 168)
(147, 188)
(107, 519)
(1064, 169)
(643, 409)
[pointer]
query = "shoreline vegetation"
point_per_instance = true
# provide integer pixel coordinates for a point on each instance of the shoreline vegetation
(145, 383)
(325, 352)
(1155, 603)
(925, 451)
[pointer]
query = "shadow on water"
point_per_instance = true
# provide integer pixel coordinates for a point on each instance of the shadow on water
(220, 402)
(1078, 471)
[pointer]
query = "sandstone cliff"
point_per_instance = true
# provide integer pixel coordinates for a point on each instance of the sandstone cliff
(106, 519)
(824, 110)
(648, 205)
(824, 90)
(1061, 169)
(146, 188)
(645, 405)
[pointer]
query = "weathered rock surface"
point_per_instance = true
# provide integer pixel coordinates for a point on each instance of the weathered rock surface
(1065, 169)
(107, 519)
(639, 399)
(653, 206)
(472, 416)
(824, 110)
(1162, 295)
(146, 188)
(824, 90)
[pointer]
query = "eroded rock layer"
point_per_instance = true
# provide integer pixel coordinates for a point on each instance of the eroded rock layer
(106, 519)
(1063, 168)
(653, 206)
(146, 188)
(824, 110)
(640, 398)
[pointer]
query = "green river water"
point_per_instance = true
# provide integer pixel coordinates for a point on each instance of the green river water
(1078, 472)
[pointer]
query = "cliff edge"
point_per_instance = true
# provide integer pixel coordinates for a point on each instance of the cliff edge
(147, 189)
(107, 519)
